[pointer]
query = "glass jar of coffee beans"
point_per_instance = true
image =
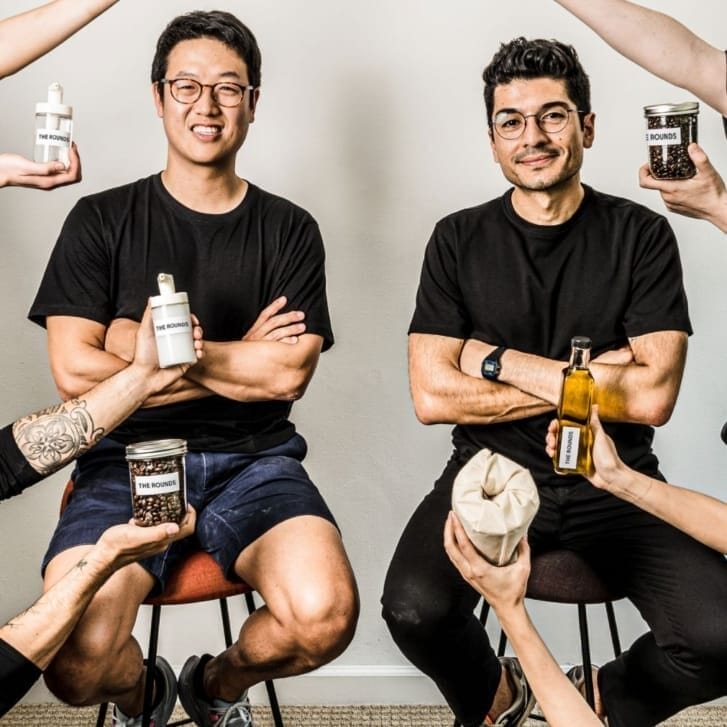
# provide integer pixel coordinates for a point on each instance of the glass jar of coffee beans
(670, 128)
(158, 481)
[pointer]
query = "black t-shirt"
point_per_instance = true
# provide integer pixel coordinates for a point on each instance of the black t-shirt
(17, 676)
(612, 271)
(15, 472)
(232, 265)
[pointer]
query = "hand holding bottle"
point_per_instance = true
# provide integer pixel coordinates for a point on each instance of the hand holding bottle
(17, 171)
(607, 470)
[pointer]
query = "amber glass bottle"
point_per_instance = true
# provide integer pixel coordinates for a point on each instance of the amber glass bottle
(573, 450)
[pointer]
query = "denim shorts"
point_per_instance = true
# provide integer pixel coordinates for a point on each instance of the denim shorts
(238, 498)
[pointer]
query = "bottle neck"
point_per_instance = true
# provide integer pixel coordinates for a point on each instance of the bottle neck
(580, 358)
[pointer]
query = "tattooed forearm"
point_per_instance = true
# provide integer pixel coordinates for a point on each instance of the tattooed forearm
(52, 437)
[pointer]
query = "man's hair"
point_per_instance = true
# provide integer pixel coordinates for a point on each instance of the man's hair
(539, 58)
(215, 24)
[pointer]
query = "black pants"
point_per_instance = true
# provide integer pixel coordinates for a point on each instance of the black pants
(678, 586)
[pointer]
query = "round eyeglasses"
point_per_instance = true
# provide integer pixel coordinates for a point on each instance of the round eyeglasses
(551, 120)
(187, 91)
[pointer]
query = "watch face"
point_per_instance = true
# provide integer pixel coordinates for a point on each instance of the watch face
(490, 368)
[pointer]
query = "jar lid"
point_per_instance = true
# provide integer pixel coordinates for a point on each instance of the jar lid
(156, 448)
(672, 109)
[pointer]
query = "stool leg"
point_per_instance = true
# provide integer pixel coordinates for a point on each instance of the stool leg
(151, 660)
(269, 686)
(225, 613)
(586, 653)
(613, 629)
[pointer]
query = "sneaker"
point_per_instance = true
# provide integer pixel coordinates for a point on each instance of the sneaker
(577, 677)
(161, 713)
(524, 699)
(215, 713)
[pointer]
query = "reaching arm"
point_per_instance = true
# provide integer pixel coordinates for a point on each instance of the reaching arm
(443, 393)
(51, 438)
(658, 43)
(642, 390)
(39, 632)
(699, 515)
(30, 35)
(504, 589)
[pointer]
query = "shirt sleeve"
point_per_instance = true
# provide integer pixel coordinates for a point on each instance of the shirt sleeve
(301, 275)
(15, 472)
(17, 676)
(440, 308)
(658, 299)
(77, 279)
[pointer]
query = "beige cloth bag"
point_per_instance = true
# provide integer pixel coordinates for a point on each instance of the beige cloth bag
(495, 500)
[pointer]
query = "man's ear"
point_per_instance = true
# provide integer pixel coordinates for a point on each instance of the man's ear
(589, 130)
(491, 137)
(254, 98)
(157, 89)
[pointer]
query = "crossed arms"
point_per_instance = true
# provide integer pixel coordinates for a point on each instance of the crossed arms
(636, 384)
(255, 368)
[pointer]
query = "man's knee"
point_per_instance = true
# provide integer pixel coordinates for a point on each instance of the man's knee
(410, 614)
(323, 623)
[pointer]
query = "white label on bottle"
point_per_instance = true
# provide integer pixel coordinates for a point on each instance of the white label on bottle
(664, 137)
(52, 137)
(569, 441)
(157, 484)
(176, 324)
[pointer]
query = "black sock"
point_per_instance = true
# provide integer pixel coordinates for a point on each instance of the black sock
(198, 677)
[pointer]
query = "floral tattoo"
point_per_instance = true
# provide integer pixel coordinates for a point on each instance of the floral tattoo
(52, 437)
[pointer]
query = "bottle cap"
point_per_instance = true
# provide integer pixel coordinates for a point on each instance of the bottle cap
(55, 104)
(580, 342)
(167, 292)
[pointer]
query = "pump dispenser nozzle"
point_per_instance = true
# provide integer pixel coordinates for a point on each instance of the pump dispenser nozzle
(166, 284)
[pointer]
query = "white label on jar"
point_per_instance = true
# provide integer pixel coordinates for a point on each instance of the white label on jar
(569, 441)
(157, 484)
(176, 324)
(664, 137)
(52, 137)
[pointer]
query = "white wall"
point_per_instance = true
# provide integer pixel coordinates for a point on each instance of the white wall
(371, 116)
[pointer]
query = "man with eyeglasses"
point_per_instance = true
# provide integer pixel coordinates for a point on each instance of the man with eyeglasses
(504, 287)
(253, 267)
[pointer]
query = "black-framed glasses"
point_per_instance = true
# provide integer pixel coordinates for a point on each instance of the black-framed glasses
(511, 124)
(187, 90)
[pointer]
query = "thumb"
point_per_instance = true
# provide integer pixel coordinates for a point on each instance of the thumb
(595, 421)
(697, 155)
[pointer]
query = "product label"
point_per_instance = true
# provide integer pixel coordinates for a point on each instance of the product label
(157, 484)
(569, 440)
(52, 137)
(664, 137)
(171, 325)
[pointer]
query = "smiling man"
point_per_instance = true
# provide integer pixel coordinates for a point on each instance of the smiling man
(253, 267)
(504, 287)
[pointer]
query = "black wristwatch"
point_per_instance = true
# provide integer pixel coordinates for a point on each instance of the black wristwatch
(491, 364)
